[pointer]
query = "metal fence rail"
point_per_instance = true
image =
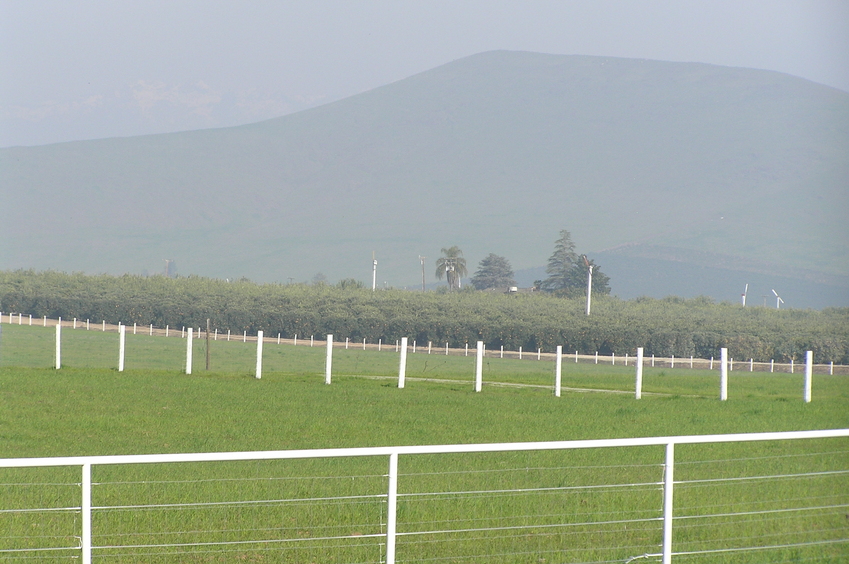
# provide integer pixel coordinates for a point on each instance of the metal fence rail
(379, 532)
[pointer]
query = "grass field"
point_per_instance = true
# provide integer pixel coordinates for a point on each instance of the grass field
(551, 506)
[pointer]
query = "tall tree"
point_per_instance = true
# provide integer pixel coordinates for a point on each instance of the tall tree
(567, 273)
(561, 264)
(493, 272)
(452, 266)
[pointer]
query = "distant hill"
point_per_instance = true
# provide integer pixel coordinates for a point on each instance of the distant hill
(496, 152)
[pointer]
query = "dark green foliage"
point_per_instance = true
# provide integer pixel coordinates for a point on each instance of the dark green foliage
(665, 327)
(452, 265)
(494, 272)
(567, 271)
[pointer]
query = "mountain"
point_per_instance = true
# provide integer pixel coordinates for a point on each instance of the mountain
(693, 164)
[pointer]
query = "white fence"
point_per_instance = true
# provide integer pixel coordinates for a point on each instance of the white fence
(672, 362)
(396, 520)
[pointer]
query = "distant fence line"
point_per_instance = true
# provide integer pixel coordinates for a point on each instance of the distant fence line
(672, 362)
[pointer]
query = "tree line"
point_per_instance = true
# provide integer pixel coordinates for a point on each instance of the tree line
(664, 327)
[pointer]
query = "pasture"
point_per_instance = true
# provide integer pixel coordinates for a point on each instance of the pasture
(596, 505)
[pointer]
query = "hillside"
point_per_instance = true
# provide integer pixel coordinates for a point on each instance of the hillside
(494, 153)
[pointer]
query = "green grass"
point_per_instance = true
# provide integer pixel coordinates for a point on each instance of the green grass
(89, 408)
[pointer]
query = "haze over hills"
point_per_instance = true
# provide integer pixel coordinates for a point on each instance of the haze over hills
(685, 164)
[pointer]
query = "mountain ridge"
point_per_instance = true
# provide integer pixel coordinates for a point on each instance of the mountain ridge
(495, 153)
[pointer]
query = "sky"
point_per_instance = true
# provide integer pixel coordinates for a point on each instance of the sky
(96, 69)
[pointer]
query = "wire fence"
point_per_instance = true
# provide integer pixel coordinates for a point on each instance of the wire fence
(767, 497)
(85, 354)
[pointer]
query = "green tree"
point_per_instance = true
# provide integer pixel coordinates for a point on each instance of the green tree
(493, 272)
(452, 266)
(567, 271)
(561, 264)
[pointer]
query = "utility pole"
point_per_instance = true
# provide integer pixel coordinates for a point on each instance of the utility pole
(422, 259)
(373, 272)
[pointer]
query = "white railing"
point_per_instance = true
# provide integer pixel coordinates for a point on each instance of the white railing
(85, 510)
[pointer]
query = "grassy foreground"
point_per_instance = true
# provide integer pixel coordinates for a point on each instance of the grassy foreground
(581, 506)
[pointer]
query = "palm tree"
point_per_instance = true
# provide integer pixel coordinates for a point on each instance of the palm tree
(452, 265)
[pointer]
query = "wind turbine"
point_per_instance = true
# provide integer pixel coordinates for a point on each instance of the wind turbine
(589, 281)
(745, 291)
(778, 300)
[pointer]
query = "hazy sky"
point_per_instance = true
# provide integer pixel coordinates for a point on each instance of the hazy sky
(92, 69)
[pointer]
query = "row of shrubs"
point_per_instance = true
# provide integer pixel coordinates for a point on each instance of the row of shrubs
(664, 327)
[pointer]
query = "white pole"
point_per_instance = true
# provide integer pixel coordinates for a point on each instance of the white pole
(667, 503)
(429, 344)
(691, 362)
(711, 363)
(189, 352)
(30, 319)
(294, 342)
(751, 365)
(479, 367)
(791, 366)
(576, 357)
(379, 344)
(467, 349)
(166, 330)
(391, 505)
(85, 515)
(328, 362)
(539, 353)
(589, 287)
(809, 371)
(151, 330)
(402, 366)
(520, 353)
(104, 326)
(731, 365)
(446, 348)
(652, 359)
(831, 368)
(396, 345)
(596, 357)
(74, 326)
(626, 359)
(87, 324)
(312, 340)
(59, 344)
(502, 351)
(558, 366)
(216, 334)
(639, 365)
(364, 343)
(672, 361)
(44, 322)
(346, 343)
(259, 339)
(374, 274)
(414, 346)
(278, 336)
(122, 336)
(723, 374)
(134, 329)
(613, 359)
(245, 337)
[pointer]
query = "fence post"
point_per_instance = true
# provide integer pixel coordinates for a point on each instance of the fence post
(85, 514)
(134, 328)
(751, 365)
(446, 349)
(520, 353)
(166, 330)
(74, 326)
(312, 340)
(429, 344)
(414, 346)
(104, 326)
(667, 502)
(639, 365)
(539, 353)
(122, 338)
(576, 357)
(151, 330)
(328, 363)
(87, 324)
(723, 374)
(467, 349)
(189, 352)
(391, 505)
(278, 336)
(502, 351)
(672, 361)
(346, 343)
(44, 323)
(379, 344)
(809, 370)
(245, 337)
(558, 366)
(259, 339)
(479, 367)
(364, 343)
(791, 366)
(596, 357)
(30, 319)
(402, 366)
(59, 344)
(613, 359)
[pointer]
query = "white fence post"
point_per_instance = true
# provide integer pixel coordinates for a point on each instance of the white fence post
(294, 342)
(44, 321)
(446, 349)
(379, 344)
(278, 336)
(134, 328)
(467, 349)
(479, 367)
(613, 359)
(122, 339)
(672, 361)
(74, 325)
(639, 365)
(558, 365)
(596, 357)
(402, 366)
(520, 353)
(59, 344)
(429, 344)
(104, 326)
(723, 374)
(151, 330)
(391, 506)
(328, 362)
(809, 371)
(751, 365)
(85, 514)
(364, 343)
(502, 351)
(166, 330)
(668, 477)
(245, 337)
(189, 352)
(30, 319)
(259, 339)
(576, 357)
(346, 343)
(791, 366)
(539, 353)
(87, 324)
(312, 340)
(414, 346)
